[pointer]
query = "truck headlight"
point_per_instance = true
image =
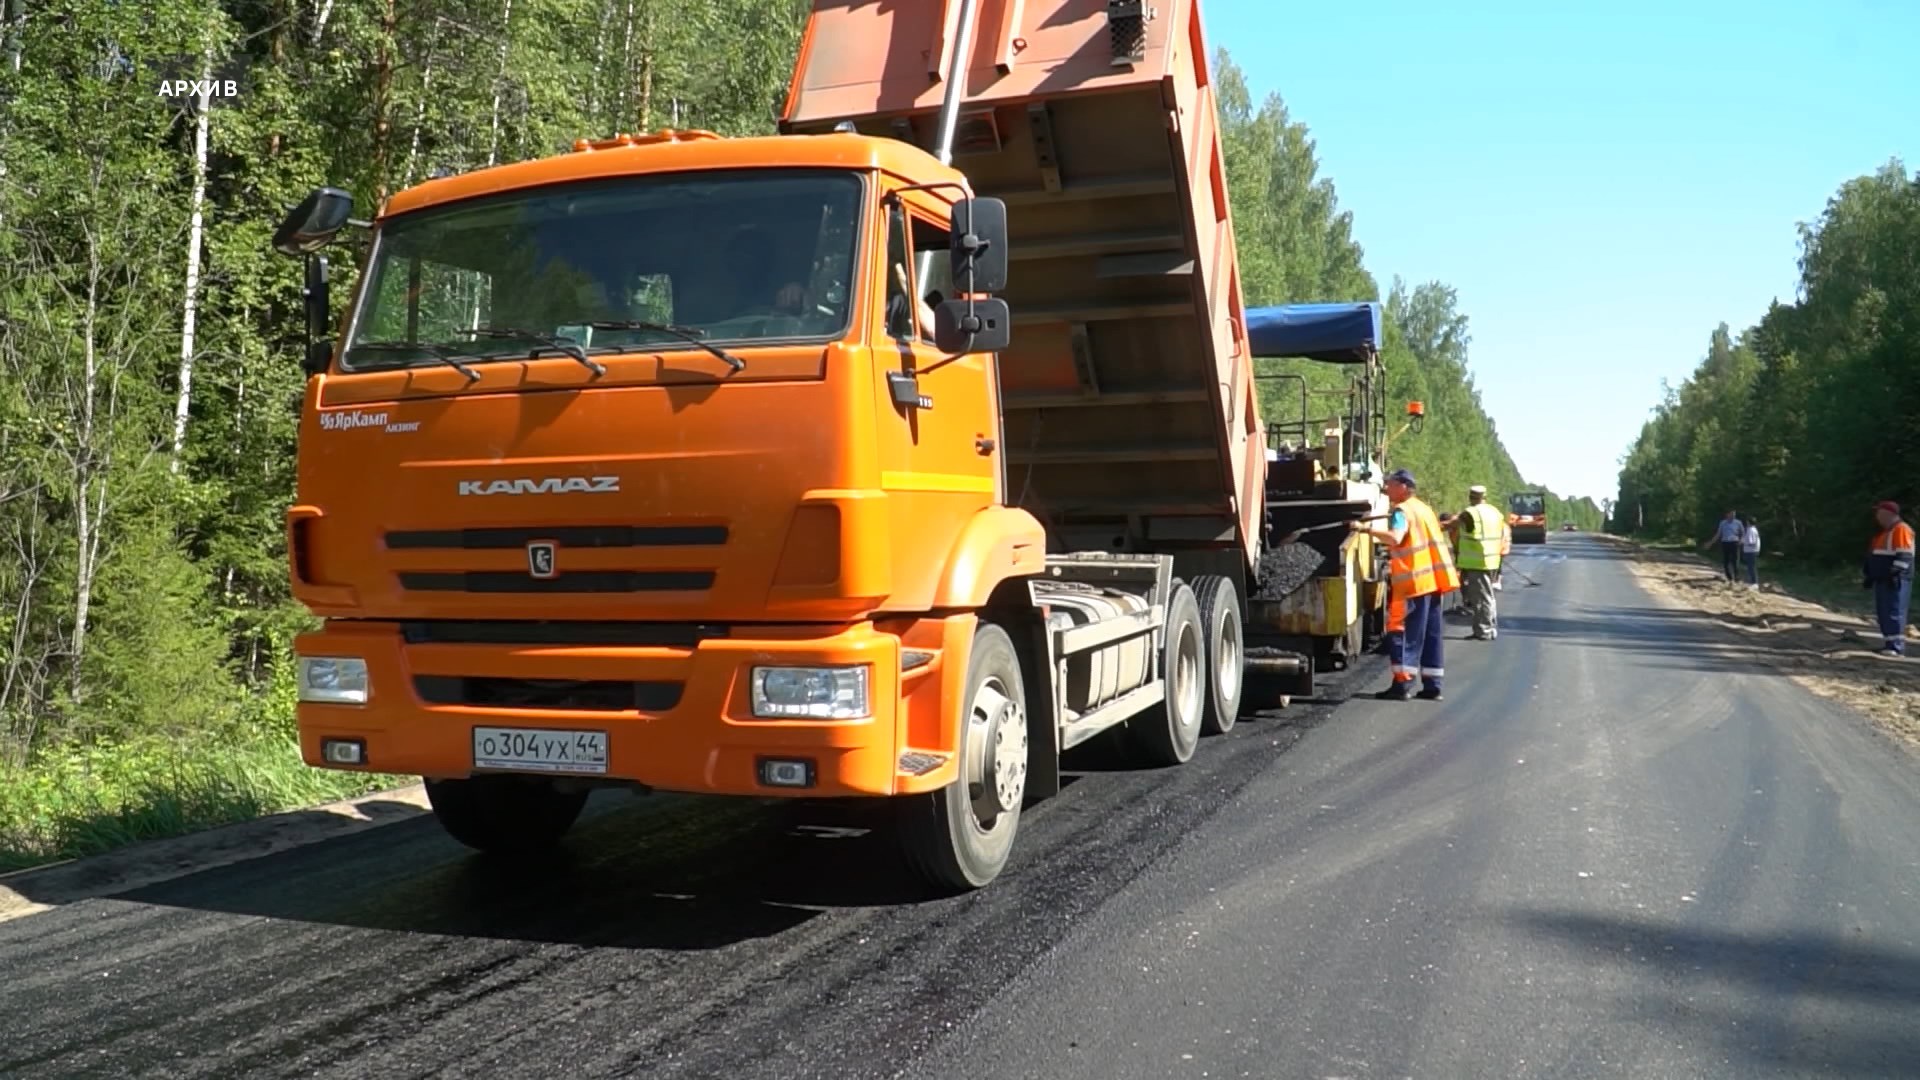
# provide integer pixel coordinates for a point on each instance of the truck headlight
(333, 680)
(818, 693)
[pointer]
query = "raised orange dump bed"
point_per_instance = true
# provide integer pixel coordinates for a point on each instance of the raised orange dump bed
(1129, 401)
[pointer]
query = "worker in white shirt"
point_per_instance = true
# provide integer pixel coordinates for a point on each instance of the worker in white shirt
(1750, 554)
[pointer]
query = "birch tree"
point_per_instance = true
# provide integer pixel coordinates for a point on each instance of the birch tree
(196, 231)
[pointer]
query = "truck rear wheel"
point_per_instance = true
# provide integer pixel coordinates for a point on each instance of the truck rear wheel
(1168, 733)
(958, 838)
(505, 815)
(1226, 652)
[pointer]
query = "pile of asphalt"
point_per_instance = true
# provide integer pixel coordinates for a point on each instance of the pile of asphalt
(1284, 568)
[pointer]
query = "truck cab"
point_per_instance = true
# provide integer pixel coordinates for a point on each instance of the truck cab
(613, 441)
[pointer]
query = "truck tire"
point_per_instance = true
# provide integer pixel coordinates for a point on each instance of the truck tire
(958, 838)
(1168, 733)
(1226, 652)
(505, 815)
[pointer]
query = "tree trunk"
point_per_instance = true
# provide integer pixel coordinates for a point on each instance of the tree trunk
(277, 51)
(320, 22)
(420, 113)
(196, 231)
(12, 32)
(599, 78)
(86, 522)
(499, 83)
(626, 70)
(645, 113)
(383, 102)
(31, 566)
(15, 31)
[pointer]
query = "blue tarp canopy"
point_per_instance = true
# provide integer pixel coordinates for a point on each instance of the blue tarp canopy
(1334, 333)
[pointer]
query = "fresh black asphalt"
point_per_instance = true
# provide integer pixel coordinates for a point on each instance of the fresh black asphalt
(1613, 850)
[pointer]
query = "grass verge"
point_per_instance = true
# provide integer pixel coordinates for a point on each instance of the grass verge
(1830, 586)
(87, 802)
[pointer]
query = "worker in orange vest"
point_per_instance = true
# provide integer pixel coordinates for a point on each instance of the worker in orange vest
(1889, 573)
(1421, 573)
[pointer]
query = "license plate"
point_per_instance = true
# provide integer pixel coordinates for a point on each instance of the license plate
(540, 750)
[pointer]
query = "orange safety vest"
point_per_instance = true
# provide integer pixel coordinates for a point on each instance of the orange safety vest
(1895, 541)
(1421, 564)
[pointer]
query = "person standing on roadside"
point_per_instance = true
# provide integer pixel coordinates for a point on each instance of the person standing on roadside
(1729, 534)
(1889, 573)
(1476, 534)
(1421, 573)
(1750, 554)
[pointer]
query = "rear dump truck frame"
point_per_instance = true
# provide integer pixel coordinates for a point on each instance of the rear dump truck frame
(818, 553)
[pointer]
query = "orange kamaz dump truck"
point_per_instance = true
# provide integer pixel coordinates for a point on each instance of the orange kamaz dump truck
(889, 456)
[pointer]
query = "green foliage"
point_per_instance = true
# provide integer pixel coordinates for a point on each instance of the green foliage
(1806, 419)
(158, 665)
(145, 620)
(84, 801)
(1296, 246)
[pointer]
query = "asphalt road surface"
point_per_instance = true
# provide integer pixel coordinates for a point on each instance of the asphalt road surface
(1611, 851)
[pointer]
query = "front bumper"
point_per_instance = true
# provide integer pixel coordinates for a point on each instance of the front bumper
(692, 729)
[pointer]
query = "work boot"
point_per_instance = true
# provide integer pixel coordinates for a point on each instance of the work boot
(1400, 691)
(1431, 693)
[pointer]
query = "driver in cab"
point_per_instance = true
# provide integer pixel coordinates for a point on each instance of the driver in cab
(747, 274)
(746, 281)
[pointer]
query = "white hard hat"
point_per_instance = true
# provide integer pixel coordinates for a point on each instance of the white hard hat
(1477, 489)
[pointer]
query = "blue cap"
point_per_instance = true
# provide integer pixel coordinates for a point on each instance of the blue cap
(1403, 476)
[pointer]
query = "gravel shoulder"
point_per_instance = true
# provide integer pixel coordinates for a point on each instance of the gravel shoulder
(1828, 652)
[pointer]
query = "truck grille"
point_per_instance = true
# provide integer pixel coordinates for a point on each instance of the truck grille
(597, 695)
(527, 632)
(579, 581)
(572, 536)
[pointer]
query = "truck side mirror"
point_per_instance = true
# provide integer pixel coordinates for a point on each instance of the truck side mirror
(972, 326)
(319, 355)
(317, 296)
(979, 246)
(312, 225)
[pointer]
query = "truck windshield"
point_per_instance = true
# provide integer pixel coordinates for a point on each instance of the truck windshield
(727, 258)
(1529, 505)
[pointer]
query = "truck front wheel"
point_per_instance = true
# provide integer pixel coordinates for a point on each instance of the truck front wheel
(506, 815)
(958, 838)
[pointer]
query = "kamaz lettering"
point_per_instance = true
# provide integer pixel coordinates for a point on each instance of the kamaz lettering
(551, 485)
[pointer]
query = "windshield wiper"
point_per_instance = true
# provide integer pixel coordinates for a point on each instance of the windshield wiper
(565, 345)
(438, 352)
(689, 334)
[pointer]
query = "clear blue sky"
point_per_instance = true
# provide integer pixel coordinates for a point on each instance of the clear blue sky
(1603, 186)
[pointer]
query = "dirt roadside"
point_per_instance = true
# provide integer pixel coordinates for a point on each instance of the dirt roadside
(25, 892)
(1828, 652)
